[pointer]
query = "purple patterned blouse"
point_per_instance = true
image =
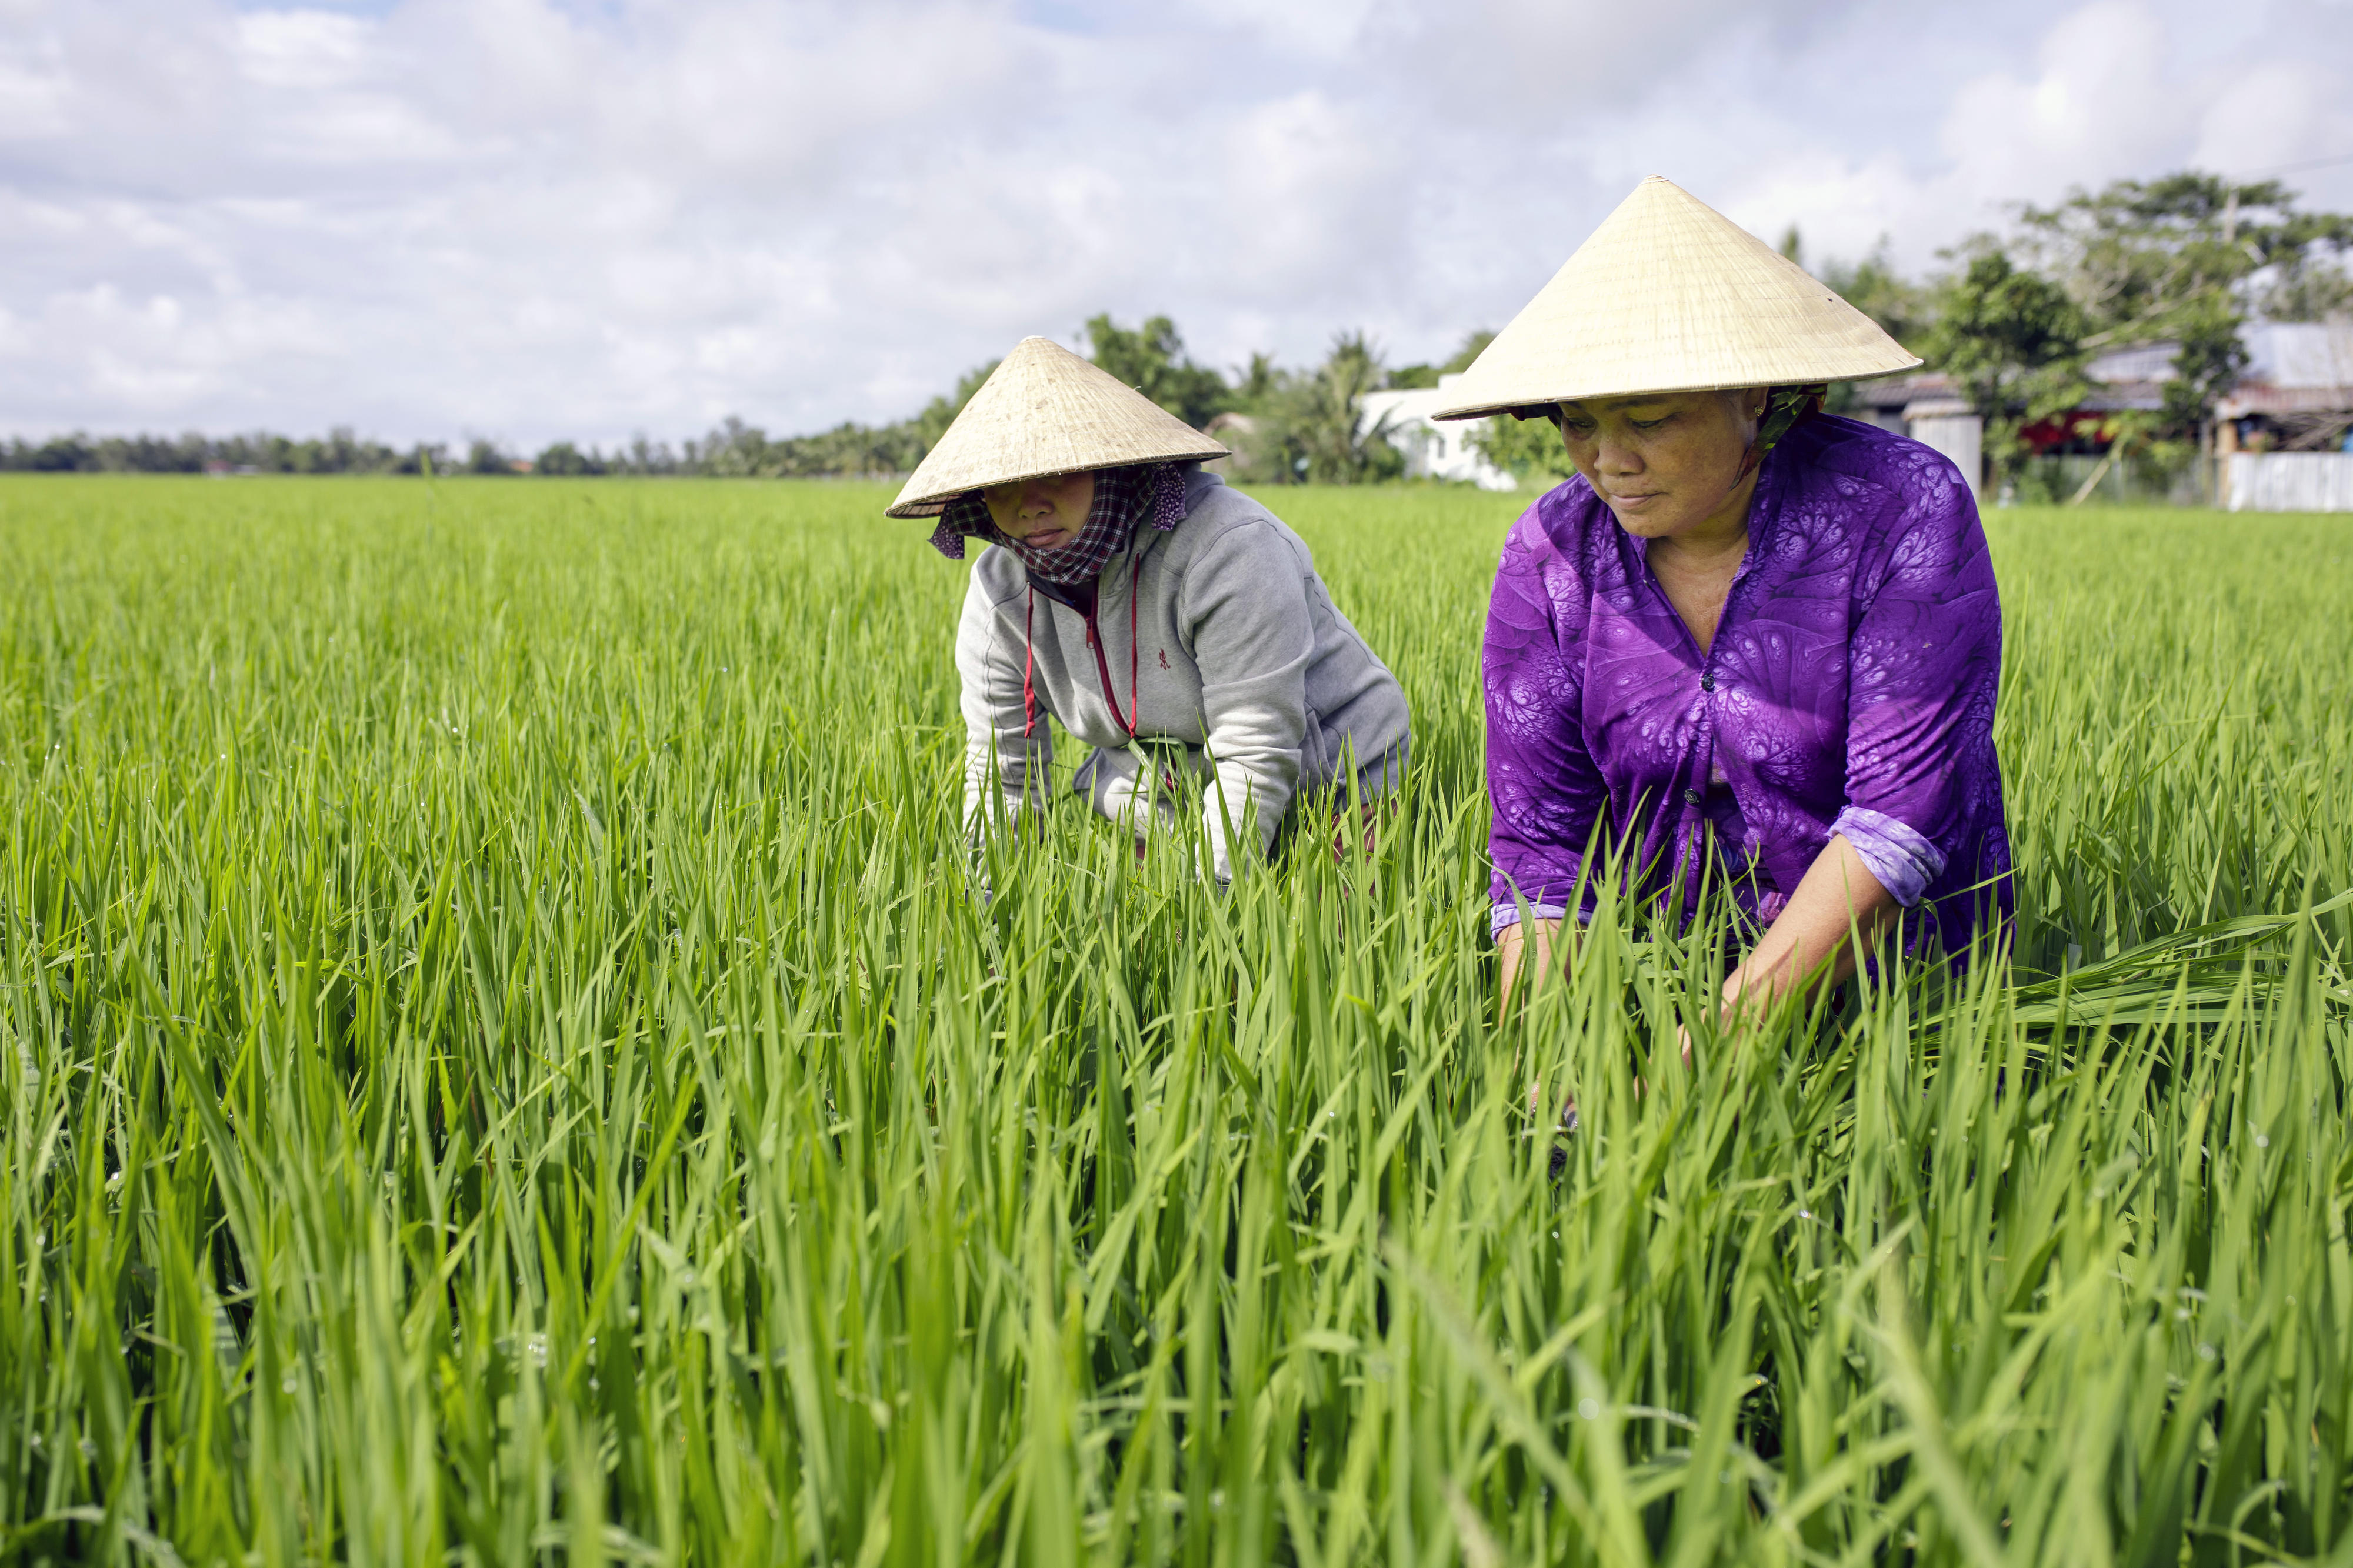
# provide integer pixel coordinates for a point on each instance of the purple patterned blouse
(1850, 691)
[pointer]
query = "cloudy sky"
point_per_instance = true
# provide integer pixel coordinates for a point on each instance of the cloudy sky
(528, 219)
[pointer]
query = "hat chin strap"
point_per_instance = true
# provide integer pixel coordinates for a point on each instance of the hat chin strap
(1785, 406)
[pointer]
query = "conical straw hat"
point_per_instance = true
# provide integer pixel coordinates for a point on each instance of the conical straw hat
(1045, 411)
(1668, 295)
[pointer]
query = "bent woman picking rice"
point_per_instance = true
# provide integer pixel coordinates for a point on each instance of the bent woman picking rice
(1746, 634)
(1172, 623)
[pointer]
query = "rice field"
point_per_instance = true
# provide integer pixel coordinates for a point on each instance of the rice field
(502, 1062)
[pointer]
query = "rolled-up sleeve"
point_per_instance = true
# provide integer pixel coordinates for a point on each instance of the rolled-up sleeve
(1926, 666)
(1545, 788)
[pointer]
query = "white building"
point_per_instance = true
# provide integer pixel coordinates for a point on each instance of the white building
(2294, 404)
(2298, 382)
(1945, 425)
(1432, 451)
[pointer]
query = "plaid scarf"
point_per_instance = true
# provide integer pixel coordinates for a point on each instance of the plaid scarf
(1121, 497)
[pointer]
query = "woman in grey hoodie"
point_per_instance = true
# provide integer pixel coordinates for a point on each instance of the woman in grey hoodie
(1172, 622)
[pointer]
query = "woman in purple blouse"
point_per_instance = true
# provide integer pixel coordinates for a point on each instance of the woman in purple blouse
(1746, 635)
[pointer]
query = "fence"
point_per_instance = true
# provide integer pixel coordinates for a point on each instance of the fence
(2288, 481)
(2132, 482)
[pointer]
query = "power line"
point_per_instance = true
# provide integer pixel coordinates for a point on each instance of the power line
(2293, 168)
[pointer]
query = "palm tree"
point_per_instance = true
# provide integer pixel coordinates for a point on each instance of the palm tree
(1309, 426)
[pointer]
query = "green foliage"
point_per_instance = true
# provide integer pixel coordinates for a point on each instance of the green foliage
(1422, 375)
(738, 450)
(2208, 362)
(2011, 341)
(940, 412)
(1151, 359)
(565, 461)
(1341, 446)
(501, 1060)
(1902, 309)
(2138, 252)
(1530, 450)
(2172, 259)
(2317, 290)
(1258, 383)
(484, 459)
(1309, 426)
(338, 452)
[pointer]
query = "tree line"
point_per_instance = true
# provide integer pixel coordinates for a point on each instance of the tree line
(340, 451)
(1286, 426)
(2014, 320)
(1295, 426)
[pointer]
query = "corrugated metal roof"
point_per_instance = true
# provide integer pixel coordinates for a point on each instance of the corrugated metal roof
(2300, 355)
(2142, 361)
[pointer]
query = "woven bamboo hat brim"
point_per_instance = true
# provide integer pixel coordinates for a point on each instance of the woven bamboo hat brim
(1668, 295)
(1045, 411)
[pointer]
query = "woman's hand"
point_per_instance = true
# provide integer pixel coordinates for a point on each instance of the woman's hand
(1837, 913)
(1356, 832)
(1510, 943)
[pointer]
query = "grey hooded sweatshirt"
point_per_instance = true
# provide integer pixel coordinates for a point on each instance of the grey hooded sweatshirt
(1244, 676)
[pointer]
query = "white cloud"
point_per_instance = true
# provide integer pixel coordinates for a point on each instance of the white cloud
(34, 89)
(534, 218)
(303, 50)
(1306, 197)
(2280, 112)
(2097, 109)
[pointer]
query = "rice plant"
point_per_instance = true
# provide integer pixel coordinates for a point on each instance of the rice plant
(505, 1062)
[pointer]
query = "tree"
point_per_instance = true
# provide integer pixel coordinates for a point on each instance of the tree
(2314, 290)
(1524, 448)
(2127, 431)
(645, 456)
(484, 458)
(1342, 447)
(565, 460)
(2175, 258)
(1309, 426)
(1413, 375)
(1152, 360)
(65, 455)
(940, 413)
(736, 451)
(1873, 287)
(2206, 365)
(2135, 253)
(2012, 342)
(1257, 384)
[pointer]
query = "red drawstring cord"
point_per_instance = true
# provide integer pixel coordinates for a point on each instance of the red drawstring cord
(1135, 715)
(1028, 659)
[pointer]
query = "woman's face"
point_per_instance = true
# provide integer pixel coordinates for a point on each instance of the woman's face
(1044, 514)
(1667, 464)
